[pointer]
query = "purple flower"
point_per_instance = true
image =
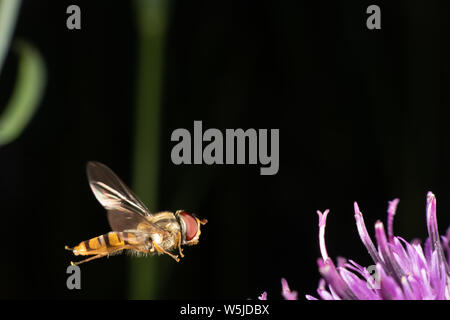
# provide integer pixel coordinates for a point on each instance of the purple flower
(285, 292)
(401, 270)
(263, 296)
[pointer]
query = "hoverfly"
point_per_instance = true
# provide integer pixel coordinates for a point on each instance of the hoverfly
(133, 227)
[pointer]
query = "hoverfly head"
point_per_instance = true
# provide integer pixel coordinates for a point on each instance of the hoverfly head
(190, 227)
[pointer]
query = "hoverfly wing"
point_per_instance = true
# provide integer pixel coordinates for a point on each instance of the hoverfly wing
(125, 210)
(120, 220)
(111, 192)
(134, 237)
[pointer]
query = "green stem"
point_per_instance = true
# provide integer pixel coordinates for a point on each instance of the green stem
(9, 10)
(151, 17)
(27, 94)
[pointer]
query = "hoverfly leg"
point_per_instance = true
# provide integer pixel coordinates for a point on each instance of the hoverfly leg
(88, 259)
(179, 244)
(101, 255)
(161, 250)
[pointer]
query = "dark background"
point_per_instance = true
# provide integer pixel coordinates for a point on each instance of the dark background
(363, 116)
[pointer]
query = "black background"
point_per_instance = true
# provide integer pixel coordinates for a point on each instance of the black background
(363, 116)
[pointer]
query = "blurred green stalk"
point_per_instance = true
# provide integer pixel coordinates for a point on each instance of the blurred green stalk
(145, 273)
(27, 94)
(30, 81)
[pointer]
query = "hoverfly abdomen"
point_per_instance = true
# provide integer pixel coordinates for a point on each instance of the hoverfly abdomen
(105, 243)
(131, 238)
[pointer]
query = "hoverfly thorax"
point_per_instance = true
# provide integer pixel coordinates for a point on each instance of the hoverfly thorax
(190, 227)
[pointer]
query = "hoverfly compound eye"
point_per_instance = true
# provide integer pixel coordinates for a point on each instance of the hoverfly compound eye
(191, 225)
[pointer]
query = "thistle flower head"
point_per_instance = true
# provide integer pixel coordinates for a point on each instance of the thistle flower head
(401, 270)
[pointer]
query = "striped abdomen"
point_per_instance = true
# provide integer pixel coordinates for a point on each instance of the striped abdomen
(109, 243)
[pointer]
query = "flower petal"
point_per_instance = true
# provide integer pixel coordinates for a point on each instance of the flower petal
(391, 213)
(322, 225)
(286, 292)
(334, 280)
(391, 267)
(364, 235)
(433, 230)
